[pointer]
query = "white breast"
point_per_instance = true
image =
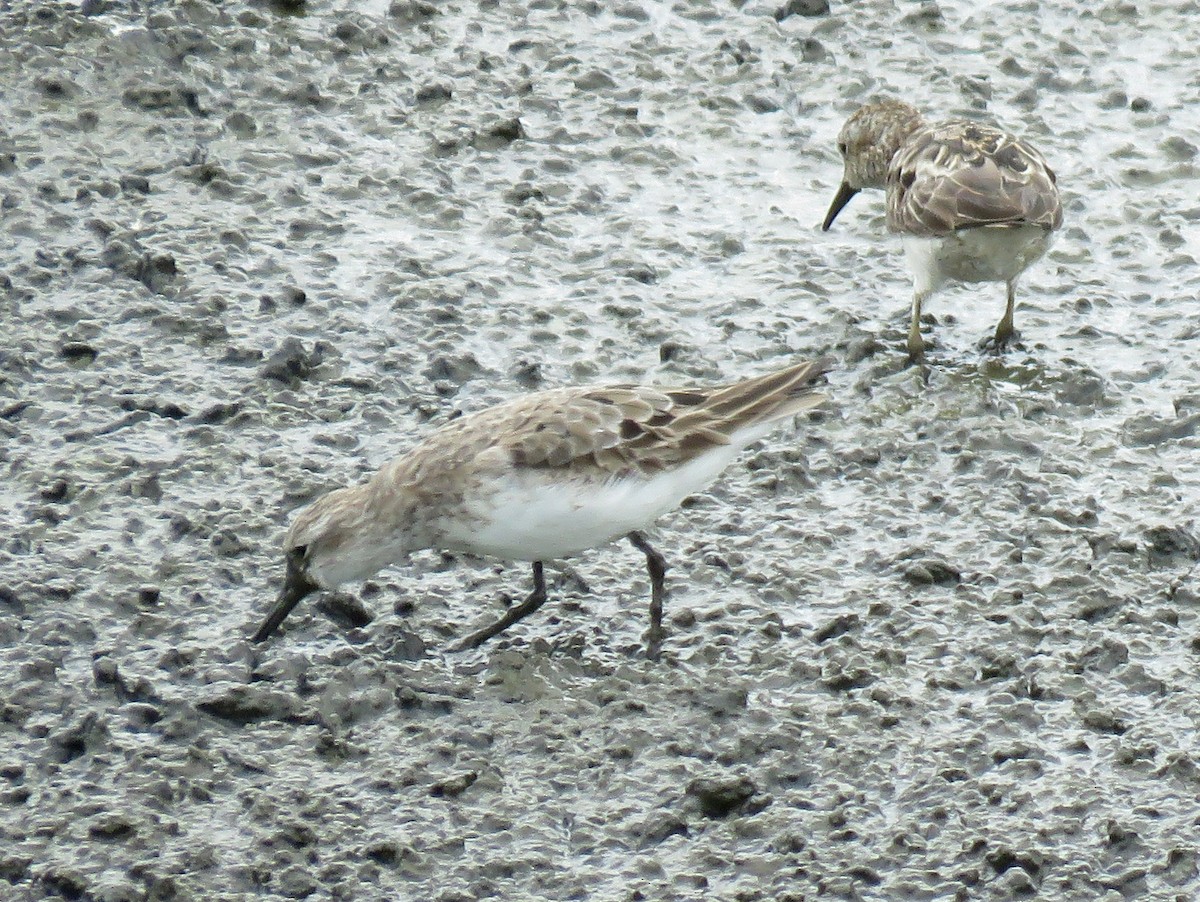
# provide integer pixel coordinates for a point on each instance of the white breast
(541, 515)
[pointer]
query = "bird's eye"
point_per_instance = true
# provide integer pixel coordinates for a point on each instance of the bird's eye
(842, 147)
(298, 554)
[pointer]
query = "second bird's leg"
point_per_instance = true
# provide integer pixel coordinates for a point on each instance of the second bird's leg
(1005, 330)
(916, 347)
(656, 565)
(535, 600)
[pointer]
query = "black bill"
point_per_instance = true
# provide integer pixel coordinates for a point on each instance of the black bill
(296, 585)
(845, 192)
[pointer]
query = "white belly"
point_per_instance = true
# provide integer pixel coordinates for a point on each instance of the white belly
(986, 254)
(540, 515)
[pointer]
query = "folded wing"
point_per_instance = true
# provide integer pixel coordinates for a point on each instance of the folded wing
(626, 429)
(962, 175)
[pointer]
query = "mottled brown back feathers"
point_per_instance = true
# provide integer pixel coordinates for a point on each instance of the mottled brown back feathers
(962, 175)
(631, 428)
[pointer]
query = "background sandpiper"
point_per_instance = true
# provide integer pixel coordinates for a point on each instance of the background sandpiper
(974, 203)
(538, 478)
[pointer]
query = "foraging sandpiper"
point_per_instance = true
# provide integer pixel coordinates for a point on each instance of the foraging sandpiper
(539, 478)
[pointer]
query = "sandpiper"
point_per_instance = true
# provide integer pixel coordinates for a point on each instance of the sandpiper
(539, 478)
(974, 203)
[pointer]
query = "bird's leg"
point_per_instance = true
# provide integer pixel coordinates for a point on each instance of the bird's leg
(535, 600)
(916, 347)
(1005, 333)
(656, 565)
(1005, 330)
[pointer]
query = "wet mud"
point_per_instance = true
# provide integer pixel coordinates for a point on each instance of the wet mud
(938, 641)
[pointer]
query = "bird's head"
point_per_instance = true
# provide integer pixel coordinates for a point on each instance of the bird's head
(867, 143)
(339, 538)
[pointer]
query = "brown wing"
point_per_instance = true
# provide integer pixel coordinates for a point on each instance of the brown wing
(962, 175)
(559, 429)
(630, 428)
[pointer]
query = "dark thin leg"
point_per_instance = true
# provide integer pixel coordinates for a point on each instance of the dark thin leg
(1005, 331)
(656, 565)
(536, 599)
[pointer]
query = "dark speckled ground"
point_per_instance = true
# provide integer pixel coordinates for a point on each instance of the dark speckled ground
(939, 642)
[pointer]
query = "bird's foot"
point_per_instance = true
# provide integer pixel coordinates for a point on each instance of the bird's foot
(916, 348)
(470, 641)
(654, 643)
(532, 602)
(1000, 342)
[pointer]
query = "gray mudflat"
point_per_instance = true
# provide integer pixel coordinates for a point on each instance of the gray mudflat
(939, 642)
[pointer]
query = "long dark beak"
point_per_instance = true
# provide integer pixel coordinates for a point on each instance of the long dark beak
(845, 192)
(296, 585)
